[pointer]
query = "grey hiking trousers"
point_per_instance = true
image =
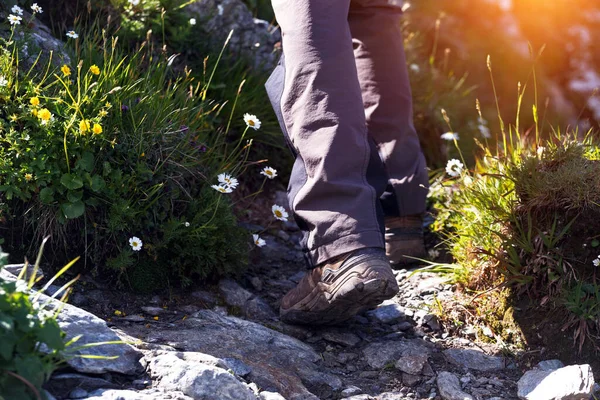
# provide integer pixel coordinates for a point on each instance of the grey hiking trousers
(343, 99)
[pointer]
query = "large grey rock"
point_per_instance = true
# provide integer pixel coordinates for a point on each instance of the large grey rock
(474, 359)
(196, 380)
(259, 310)
(279, 363)
(252, 38)
(575, 382)
(77, 322)
(150, 394)
(379, 354)
(449, 387)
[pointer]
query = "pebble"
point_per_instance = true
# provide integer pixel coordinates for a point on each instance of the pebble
(345, 338)
(256, 283)
(351, 391)
(388, 312)
(78, 393)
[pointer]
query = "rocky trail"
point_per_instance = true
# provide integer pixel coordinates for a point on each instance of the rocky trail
(226, 342)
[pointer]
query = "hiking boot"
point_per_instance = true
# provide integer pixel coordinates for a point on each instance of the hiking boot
(404, 240)
(339, 289)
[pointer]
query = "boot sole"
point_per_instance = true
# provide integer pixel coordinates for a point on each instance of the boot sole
(352, 290)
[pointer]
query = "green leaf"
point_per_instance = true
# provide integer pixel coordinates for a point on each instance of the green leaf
(73, 210)
(92, 201)
(74, 196)
(51, 335)
(97, 183)
(7, 345)
(71, 181)
(86, 162)
(595, 243)
(106, 169)
(46, 195)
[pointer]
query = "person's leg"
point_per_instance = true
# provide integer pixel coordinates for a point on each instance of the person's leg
(383, 76)
(317, 96)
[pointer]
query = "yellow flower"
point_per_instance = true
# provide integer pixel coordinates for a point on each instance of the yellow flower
(35, 101)
(84, 126)
(155, 318)
(28, 177)
(95, 70)
(65, 70)
(14, 117)
(44, 114)
(103, 113)
(108, 105)
(34, 112)
(118, 313)
(143, 155)
(97, 129)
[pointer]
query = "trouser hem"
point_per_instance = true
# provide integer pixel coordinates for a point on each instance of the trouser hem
(344, 244)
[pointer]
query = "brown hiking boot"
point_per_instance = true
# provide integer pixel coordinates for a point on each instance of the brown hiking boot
(341, 288)
(404, 240)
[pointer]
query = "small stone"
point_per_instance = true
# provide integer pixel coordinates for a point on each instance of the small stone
(345, 357)
(360, 397)
(474, 359)
(270, 396)
(153, 310)
(256, 283)
(208, 300)
(575, 382)
(233, 294)
(449, 387)
(344, 338)
(403, 326)
(351, 391)
(369, 374)
(283, 236)
(411, 364)
(549, 365)
(258, 309)
(410, 380)
(432, 322)
(78, 393)
(388, 312)
(134, 318)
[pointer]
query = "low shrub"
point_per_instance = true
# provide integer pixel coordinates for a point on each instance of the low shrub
(114, 146)
(24, 328)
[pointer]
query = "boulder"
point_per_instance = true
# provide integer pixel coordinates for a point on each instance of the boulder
(575, 382)
(252, 38)
(278, 363)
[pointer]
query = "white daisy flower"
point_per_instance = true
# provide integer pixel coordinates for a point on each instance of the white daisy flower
(269, 172)
(450, 136)
(14, 19)
(72, 34)
(135, 243)
(187, 224)
(16, 10)
(36, 9)
(279, 212)
(3, 81)
(192, 21)
(596, 262)
(228, 180)
(415, 68)
(134, 2)
(433, 254)
(252, 121)
(222, 188)
(258, 241)
(220, 8)
(454, 167)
